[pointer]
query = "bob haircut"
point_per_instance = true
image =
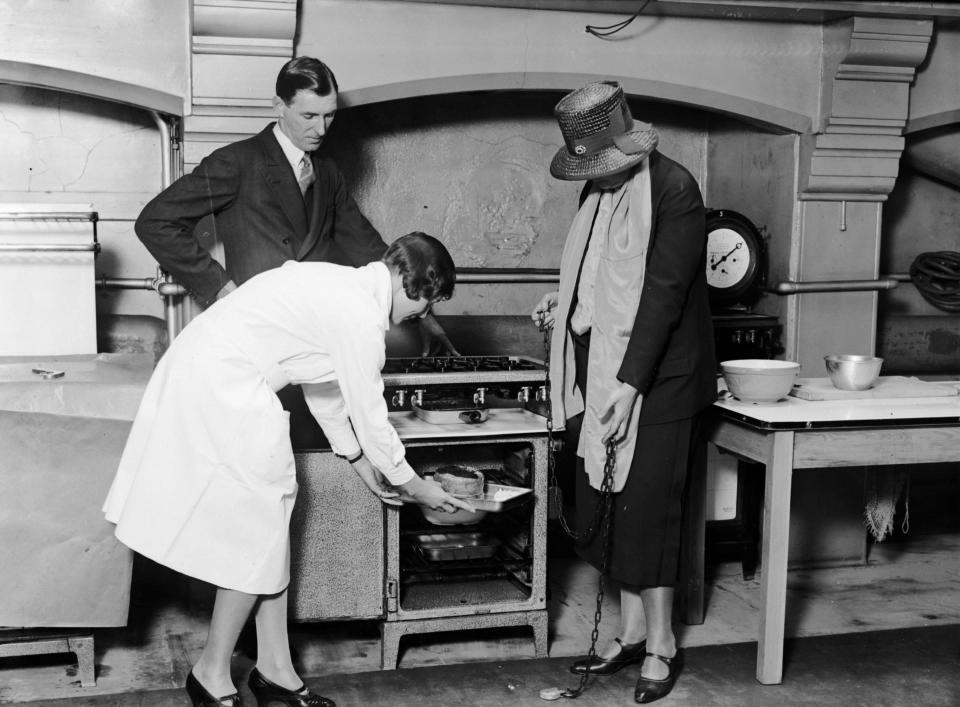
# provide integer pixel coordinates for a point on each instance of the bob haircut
(424, 264)
(305, 73)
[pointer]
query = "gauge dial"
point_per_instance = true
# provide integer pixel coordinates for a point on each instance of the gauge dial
(734, 251)
(728, 258)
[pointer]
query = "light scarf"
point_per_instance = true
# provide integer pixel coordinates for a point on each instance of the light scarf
(618, 286)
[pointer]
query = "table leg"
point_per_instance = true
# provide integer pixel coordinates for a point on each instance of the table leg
(692, 540)
(775, 546)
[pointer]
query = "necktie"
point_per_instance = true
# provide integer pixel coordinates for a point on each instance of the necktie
(306, 174)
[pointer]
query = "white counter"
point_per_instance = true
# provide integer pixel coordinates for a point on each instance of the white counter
(796, 412)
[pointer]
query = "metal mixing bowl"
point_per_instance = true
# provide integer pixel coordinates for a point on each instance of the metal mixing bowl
(852, 372)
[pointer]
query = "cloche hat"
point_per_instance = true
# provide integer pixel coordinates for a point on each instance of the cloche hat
(600, 134)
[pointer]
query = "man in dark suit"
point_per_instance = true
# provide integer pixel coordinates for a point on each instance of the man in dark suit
(271, 199)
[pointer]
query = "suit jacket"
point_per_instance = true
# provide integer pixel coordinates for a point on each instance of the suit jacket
(252, 196)
(670, 356)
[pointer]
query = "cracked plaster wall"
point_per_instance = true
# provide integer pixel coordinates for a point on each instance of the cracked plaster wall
(69, 149)
(473, 170)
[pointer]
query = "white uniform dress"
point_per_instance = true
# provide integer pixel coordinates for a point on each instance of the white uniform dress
(206, 483)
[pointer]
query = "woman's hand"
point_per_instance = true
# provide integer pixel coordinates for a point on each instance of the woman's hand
(543, 313)
(429, 493)
(375, 482)
(615, 415)
(433, 339)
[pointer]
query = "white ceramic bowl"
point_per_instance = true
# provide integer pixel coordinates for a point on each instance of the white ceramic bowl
(759, 380)
(852, 372)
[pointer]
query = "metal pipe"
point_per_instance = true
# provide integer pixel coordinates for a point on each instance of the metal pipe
(157, 284)
(47, 216)
(50, 247)
(798, 288)
(511, 275)
(171, 310)
(165, 164)
(127, 283)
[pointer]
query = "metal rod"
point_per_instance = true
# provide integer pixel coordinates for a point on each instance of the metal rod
(157, 284)
(127, 283)
(797, 288)
(50, 247)
(512, 275)
(492, 275)
(171, 304)
(48, 216)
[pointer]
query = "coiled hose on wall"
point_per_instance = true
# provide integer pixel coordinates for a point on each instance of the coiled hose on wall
(937, 276)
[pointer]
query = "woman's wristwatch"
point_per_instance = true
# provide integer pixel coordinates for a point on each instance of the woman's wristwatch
(352, 460)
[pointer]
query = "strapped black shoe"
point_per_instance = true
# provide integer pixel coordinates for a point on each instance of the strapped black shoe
(201, 698)
(629, 653)
(648, 689)
(268, 693)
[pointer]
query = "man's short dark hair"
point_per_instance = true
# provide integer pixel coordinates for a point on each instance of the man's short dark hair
(305, 73)
(424, 264)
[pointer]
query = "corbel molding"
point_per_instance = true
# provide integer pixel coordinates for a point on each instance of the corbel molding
(857, 154)
(237, 47)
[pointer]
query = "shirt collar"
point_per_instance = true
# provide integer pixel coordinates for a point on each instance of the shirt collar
(293, 153)
(383, 289)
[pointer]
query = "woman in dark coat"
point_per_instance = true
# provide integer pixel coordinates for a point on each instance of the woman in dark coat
(632, 362)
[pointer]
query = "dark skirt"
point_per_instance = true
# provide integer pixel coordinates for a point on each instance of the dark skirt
(644, 544)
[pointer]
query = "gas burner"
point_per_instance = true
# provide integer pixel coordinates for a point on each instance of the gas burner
(475, 372)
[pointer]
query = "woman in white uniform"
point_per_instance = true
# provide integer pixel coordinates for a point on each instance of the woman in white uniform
(207, 482)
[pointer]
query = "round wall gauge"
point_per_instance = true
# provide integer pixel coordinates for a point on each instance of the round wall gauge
(735, 254)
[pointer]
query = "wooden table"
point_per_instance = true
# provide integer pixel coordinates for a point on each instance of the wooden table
(796, 434)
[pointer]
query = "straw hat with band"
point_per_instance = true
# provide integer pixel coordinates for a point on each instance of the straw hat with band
(600, 134)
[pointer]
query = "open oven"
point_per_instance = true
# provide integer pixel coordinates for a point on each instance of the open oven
(429, 573)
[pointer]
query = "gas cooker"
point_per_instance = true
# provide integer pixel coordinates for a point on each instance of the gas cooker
(470, 378)
(454, 370)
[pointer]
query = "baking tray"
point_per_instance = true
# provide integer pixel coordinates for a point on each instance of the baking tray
(445, 412)
(500, 497)
(444, 547)
(495, 498)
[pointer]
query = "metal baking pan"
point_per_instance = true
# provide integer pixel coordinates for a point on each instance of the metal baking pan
(444, 547)
(449, 412)
(495, 498)
(499, 497)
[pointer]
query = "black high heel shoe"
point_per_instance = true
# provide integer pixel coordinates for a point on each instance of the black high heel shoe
(649, 690)
(629, 653)
(201, 698)
(268, 692)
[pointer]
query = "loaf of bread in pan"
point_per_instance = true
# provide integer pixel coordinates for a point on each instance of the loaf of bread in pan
(460, 481)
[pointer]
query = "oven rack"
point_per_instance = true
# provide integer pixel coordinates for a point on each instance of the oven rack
(506, 562)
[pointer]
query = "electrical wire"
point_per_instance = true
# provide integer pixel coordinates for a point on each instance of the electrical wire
(937, 277)
(609, 30)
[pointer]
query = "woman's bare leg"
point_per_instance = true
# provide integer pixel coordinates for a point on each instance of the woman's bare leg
(632, 626)
(273, 642)
(658, 609)
(230, 612)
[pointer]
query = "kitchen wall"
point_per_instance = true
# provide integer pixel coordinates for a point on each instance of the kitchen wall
(62, 148)
(472, 169)
(436, 165)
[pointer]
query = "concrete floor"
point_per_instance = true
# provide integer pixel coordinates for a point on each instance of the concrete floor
(914, 582)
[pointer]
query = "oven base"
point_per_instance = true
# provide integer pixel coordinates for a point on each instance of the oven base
(392, 631)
